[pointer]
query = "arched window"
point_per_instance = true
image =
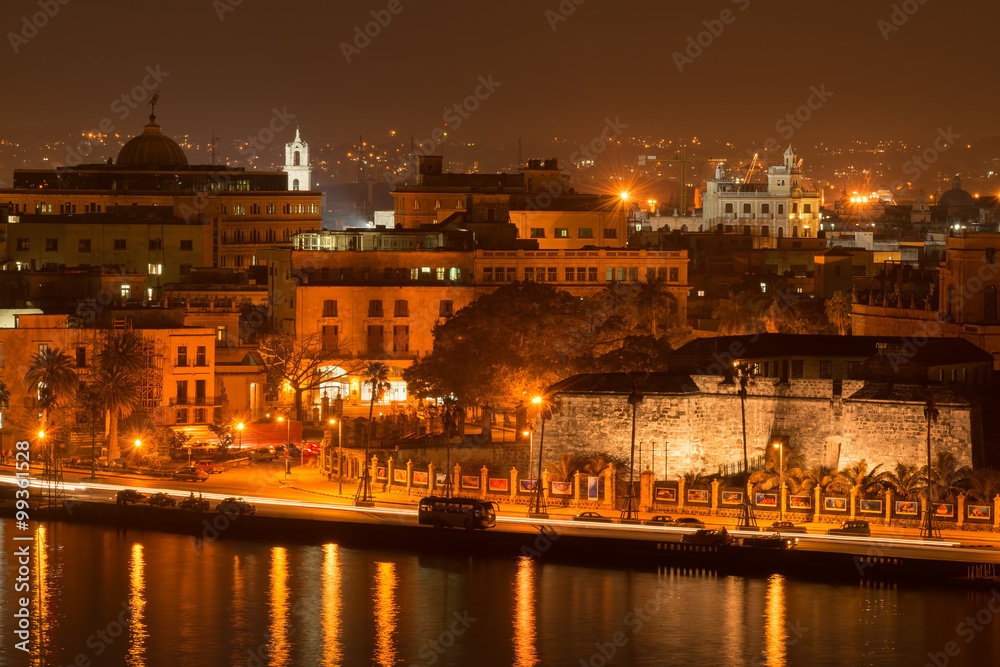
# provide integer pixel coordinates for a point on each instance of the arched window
(781, 232)
(296, 160)
(295, 184)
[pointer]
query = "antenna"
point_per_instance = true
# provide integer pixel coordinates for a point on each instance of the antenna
(520, 157)
(215, 142)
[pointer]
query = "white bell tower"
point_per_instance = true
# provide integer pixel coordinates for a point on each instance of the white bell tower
(297, 164)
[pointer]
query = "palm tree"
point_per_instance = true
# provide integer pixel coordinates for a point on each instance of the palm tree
(838, 311)
(904, 480)
(859, 477)
(983, 484)
(821, 476)
(117, 380)
(52, 379)
(951, 478)
(564, 470)
(376, 374)
(652, 299)
(631, 509)
(741, 314)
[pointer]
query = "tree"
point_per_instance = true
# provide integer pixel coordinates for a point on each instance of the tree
(838, 311)
(563, 471)
(51, 378)
(117, 380)
(858, 476)
(821, 476)
(741, 313)
(377, 376)
(636, 353)
(949, 477)
(904, 480)
(983, 484)
(654, 302)
(303, 363)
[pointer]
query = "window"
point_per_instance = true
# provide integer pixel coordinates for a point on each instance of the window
(155, 269)
(182, 392)
(331, 338)
(729, 208)
(610, 233)
(154, 244)
(781, 209)
(633, 274)
(675, 275)
(416, 205)
(609, 273)
(81, 357)
(119, 244)
(622, 274)
(807, 208)
(84, 245)
(376, 340)
(826, 370)
(330, 308)
(553, 274)
(221, 333)
(488, 274)
(199, 393)
(126, 292)
(795, 207)
(538, 232)
(585, 233)
(375, 308)
(401, 339)
(765, 209)
(562, 233)
(570, 274)
(402, 308)
(201, 358)
(511, 274)
(185, 269)
(182, 355)
(591, 274)
(853, 370)
(445, 309)
(51, 245)
(182, 414)
(439, 273)
(529, 274)
(797, 368)
(23, 244)
(747, 208)
(991, 255)
(187, 244)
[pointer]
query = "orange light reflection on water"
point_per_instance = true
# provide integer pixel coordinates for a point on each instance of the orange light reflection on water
(332, 648)
(525, 654)
(385, 613)
(277, 645)
(774, 633)
(138, 634)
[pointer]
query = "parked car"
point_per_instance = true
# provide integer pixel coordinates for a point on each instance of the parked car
(210, 466)
(280, 451)
(592, 516)
(293, 449)
(198, 504)
(659, 520)
(785, 527)
(689, 522)
(709, 538)
(236, 506)
(853, 527)
(260, 454)
(126, 496)
(770, 541)
(161, 499)
(190, 474)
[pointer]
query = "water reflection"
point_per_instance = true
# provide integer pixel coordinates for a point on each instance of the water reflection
(331, 605)
(774, 631)
(239, 614)
(278, 633)
(734, 617)
(138, 634)
(525, 654)
(385, 613)
(42, 598)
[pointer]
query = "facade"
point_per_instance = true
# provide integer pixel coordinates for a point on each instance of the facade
(297, 164)
(783, 206)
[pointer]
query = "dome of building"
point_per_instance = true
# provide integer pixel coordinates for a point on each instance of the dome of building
(151, 150)
(957, 197)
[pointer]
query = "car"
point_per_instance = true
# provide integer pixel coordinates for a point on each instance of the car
(198, 504)
(260, 454)
(280, 451)
(126, 496)
(236, 506)
(659, 520)
(190, 474)
(689, 522)
(785, 527)
(161, 499)
(774, 541)
(853, 527)
(592, 516)
(709, 538)
(209, 466)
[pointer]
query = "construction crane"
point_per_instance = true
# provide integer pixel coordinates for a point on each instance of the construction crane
(682, 160)
(753, 163)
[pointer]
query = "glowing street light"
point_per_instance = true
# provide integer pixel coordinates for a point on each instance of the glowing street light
(340, 454)
(781, 477)
(239, 427)
(539, 508)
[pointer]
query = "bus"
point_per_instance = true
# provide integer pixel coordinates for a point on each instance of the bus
(457, 512)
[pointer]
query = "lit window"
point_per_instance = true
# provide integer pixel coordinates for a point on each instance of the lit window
(155, 269)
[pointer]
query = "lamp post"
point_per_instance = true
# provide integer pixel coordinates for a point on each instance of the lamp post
(927, 528)
(781, 477)
(747, 519)
(138, 444)
(239, 429)
(539, 508)
(340, 453)
(631, 510)
(288, 435)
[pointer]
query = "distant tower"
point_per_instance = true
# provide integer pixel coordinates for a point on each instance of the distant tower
(297, 164)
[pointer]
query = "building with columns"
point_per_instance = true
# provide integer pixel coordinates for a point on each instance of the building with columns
(783, 206)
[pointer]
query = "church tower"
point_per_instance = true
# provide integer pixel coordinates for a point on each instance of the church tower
(297, 164)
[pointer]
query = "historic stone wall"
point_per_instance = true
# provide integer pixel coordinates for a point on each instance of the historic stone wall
(701, 430)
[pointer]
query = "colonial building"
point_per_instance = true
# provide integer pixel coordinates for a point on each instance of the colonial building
(834, 400)
(783, 206)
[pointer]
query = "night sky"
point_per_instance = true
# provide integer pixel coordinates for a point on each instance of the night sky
(606, 59)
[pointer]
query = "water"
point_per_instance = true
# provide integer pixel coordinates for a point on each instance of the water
(115, 597)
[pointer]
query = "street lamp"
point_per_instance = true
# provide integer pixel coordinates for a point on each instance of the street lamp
(747, 519)
(781, 477)
(340, 454)
(539, 508)
(239, 429)
(927, 528)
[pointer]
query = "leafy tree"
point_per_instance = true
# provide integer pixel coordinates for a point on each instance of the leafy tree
(859, 477)
(741, 313)
(821, 476)
(904, 480)
(117, 380)
(377, 376)
(563, 471)
(838, 312)
(224, 432)
(983, 484)
(301, 362)
(636, 353)
(51, 378)
(949, 478)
